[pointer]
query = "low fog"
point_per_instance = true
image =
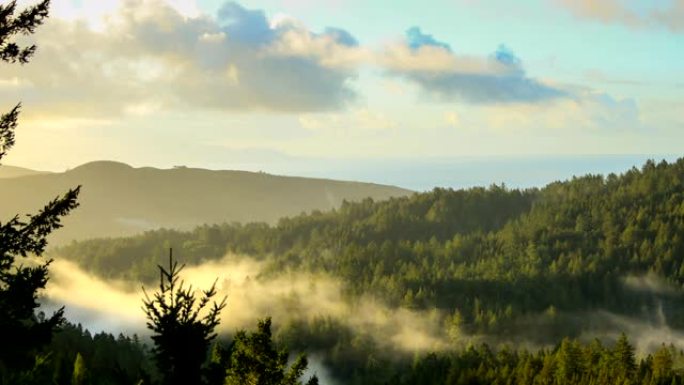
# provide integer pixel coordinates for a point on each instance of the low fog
(115, 306)
(647, 335)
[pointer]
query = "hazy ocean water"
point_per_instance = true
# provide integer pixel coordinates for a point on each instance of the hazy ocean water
(428, 173)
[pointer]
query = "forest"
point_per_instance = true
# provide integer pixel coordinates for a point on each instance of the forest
(526, 286)
(516, 267)
(493, 254)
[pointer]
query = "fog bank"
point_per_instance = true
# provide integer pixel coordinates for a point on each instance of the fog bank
(115, 306)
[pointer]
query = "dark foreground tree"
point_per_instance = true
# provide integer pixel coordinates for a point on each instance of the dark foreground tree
(183, 326)
(254, 360)
(22, 332)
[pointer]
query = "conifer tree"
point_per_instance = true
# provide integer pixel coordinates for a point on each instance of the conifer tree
(255, 360)
(568, 361)
(624, 356)
(22, 332)
(183, 326)
(662, 363)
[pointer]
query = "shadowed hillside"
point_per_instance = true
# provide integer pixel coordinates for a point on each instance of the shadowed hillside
(121, 200)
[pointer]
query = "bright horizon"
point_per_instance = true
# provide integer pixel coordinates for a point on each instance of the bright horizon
(226, 85)
(427, 173)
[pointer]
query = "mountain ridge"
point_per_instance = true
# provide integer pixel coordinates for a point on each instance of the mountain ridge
(7, 171)
(118, 199)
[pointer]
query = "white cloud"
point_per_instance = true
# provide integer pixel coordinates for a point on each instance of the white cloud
(588, 111)
(449, 77)
(149, 52)
(322, 48)
(399, 57)
(670, 16)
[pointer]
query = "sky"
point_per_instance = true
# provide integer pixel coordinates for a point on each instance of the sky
(267, 83)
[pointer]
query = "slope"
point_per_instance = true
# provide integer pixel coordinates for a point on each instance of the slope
(121, 200)
(499, 260)
(15, 172)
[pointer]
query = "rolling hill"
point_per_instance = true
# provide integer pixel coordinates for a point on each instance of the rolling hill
(14, 172)
(117, 199)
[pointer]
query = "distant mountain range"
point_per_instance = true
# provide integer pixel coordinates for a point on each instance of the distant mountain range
(118, 199)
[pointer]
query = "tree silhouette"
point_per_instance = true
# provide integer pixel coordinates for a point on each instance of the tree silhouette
(22, 332)
(183, 326)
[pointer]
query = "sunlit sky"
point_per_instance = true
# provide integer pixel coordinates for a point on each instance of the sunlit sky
(220, 84)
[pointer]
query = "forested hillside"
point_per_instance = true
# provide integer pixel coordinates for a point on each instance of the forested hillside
(493, 257)
(189, 276)
(589, 256)
(82, 358)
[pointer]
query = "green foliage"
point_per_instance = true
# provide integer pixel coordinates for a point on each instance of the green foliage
(498, 262)
(662, 365)
(22, 332)
(255, 360)
(80, 374)
(571, 362)
(110, 360)
(498, 256)
(182, 330)
(623, 358)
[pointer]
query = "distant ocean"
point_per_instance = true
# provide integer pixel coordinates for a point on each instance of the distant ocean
(426, 174)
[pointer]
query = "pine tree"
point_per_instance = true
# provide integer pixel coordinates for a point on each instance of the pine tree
(568, 361)
(22, 332)
(623, 354)
(254, 360)
(183, 330)
(662, 363)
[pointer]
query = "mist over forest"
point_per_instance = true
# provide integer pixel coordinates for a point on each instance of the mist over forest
(341, 192)
(428, 273)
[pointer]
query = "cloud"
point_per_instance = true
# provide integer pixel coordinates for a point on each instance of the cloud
(147, 56)
(507, 58)
(342, 36)
(447, 76)
(334, 49)
(416, 39)
(585, 110)
(250, 27)
(605, 11)
(670, 16)
(477, 88)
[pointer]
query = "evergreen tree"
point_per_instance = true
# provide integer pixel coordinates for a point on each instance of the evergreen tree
(568, 361)
(624, 357)
(254, 360)
(662, 364)
(22, 332)
(183, 326)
